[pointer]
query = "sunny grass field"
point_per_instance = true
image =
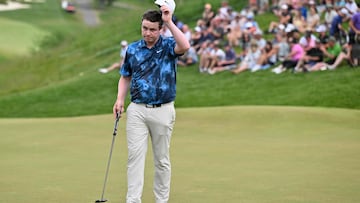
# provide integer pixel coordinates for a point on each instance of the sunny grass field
(63, 79)
(220, 154)
(228, 154)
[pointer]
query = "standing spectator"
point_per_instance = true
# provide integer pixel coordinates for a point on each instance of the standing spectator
(149, 70)
(208, 14)
(336, 28)
(329, 15)
(114, 66)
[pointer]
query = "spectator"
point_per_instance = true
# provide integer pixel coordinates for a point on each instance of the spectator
(312, 57)
(331, 51)
(208, 14)
(114, 66)
(189, 58)
(299, 21)
(250, 60)
(228, 62)
(313, 19)
(322, 34)
(329, 15)
(336, 28)
(352, 7)
(216, 56)
(297, 52)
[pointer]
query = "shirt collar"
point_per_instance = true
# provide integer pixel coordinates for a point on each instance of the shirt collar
(143, 44)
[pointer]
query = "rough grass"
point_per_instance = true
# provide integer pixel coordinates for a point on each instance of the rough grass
(229, 154)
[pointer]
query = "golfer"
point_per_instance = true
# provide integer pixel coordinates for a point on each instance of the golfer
(149, 70)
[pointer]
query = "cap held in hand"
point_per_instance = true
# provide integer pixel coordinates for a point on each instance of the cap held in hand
(169, 3)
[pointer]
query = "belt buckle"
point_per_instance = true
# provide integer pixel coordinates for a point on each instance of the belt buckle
(152, 105)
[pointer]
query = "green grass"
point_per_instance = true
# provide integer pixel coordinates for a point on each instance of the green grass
(228, 154)
(62, 79)
(14, 41)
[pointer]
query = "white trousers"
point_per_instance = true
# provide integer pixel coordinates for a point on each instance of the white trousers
(142, 123)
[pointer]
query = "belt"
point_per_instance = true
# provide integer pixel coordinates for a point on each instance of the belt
(154, 105)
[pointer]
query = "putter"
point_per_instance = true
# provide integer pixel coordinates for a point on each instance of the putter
(110, 155)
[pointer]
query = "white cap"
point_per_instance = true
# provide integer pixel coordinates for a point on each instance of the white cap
(281, 26)
(344, 11)
(124, 43)
(250, 15)
(321, 28)
(248, 25)
(284, 6)
(258, 32)
(169, 3)
(197, 29)
(311, 2)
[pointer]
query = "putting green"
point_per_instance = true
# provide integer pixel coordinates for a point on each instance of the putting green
(18, 38)
(228, 154)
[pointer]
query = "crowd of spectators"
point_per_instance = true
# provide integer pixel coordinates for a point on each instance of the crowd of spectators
(307, 36)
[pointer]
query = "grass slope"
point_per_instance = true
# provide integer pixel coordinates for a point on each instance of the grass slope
(20, 43)
(228, 154)
(62, 80)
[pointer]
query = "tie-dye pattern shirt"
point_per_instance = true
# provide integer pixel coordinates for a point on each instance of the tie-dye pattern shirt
(152, 71)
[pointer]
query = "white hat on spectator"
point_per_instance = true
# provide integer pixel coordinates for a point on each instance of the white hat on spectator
(169, 3)
(197, 29)
(258, 32)
(243, 13)
(248, 25)
(284, 6)
(344, 11)
(250, 15)
(124, 43)
(311, 2)
(321, 28)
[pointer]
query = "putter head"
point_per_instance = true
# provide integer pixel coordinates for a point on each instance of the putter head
(101, 200)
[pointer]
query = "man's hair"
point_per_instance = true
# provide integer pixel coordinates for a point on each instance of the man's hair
(153, 16)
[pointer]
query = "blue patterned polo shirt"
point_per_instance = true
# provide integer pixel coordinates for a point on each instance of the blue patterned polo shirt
(152, 71)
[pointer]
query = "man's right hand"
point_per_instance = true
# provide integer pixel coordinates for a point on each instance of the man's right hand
(118, 108)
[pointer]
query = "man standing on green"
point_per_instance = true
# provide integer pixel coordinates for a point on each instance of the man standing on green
(149, 70)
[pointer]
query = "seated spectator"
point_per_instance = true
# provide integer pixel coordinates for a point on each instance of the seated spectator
(189, 58)
(284, 18)
(114, 66)
(251, 58)
(308, 41)
(205, 55)
(322, 34)
(352, 7)
(299, 21)
(281, 45)
(268, 57)
(313, 56)
(215, 57)
(227, 63)
(297, 52)
(331, 51)
(313, 18)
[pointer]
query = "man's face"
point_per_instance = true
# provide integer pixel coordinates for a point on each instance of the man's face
(150, 31)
